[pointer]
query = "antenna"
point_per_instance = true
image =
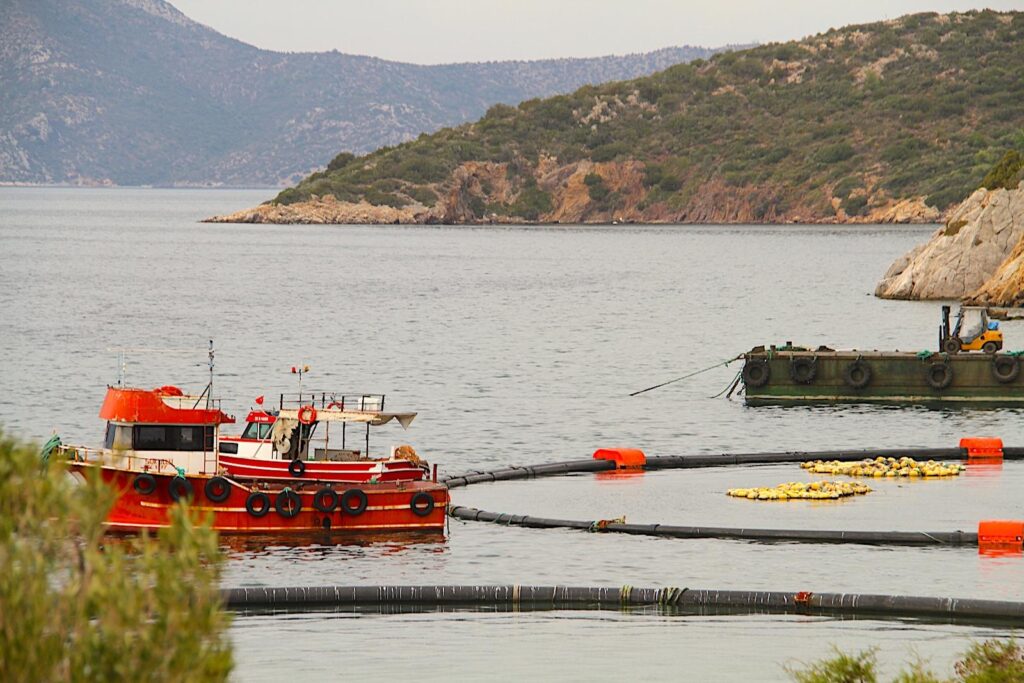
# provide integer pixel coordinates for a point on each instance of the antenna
(122, 358)
(209, 393)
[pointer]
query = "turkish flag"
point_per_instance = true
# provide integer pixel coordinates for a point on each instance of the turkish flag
(259, 400)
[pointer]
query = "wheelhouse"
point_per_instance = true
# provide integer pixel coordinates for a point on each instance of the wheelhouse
(162, 425)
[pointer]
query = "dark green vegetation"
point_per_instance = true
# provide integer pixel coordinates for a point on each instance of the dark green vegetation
(76, 605)
(919, 107)
(1007, 173)
(992, 661)
(135, 93)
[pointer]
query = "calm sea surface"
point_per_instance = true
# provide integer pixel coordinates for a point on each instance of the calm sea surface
(517, 345)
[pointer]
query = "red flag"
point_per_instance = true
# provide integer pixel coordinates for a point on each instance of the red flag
(259, 400)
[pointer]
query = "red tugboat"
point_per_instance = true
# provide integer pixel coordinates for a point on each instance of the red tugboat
(283, 474)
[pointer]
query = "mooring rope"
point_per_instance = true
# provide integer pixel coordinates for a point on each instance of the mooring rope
(692, 374)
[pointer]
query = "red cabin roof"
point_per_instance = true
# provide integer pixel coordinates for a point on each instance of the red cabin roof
(147, 406)
(260, 417)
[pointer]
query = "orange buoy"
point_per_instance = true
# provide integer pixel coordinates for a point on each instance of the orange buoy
(624, 458)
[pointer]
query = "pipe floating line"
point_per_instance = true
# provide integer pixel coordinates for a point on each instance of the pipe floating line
(905, 538)
(890, 606)
(605, 461)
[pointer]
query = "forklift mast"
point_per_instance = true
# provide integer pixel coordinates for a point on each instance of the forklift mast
(944, 327)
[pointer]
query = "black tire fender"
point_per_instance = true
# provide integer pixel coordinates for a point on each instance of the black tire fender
(326, 500)
(354, 502)
(802, 369)
(217, 489)
(422, 504)
(1005, 369)
(756, 372)
(939, 375)
(296, 468)
(857, 374)
(257, 504)
(144, 484)
(180, 488)
(288, 503)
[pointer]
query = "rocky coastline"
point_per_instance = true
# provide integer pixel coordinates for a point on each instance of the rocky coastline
(976, 256)
(475, 185)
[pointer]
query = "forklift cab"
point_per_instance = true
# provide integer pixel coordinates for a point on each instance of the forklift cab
(971, 331)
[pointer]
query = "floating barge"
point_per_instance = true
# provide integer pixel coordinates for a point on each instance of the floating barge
(789, 374)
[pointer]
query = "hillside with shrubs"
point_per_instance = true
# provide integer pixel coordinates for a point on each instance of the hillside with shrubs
(892, 121)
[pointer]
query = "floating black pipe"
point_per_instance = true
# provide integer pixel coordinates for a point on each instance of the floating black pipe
(529, 472)
(667, 462)
(953, 538)
(626, 596)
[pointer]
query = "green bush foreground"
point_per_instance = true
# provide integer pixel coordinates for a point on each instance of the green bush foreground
(78, 605)
(991, 661)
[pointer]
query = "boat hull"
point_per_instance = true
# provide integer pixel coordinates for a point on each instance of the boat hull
(389, 506)
(896, 377)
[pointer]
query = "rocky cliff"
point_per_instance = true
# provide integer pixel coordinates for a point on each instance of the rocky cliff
(978, 254)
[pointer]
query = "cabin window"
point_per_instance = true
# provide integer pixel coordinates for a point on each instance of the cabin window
(172, 438)
(258, 430)
(118, 437)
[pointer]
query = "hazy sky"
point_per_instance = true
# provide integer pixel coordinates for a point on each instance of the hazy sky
(435, 31)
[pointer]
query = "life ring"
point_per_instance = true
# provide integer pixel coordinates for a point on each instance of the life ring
(422, 504)
(307, 415)
(354, 502)
(857, 374)
(296, 468)
(1005, 369)
(217, 489)
(288, 503)
(756, 372)
(939, 375)
(257, 504)
(326, 500)
(144, 484)
(802, 369)
(334, 404)
(179, 488)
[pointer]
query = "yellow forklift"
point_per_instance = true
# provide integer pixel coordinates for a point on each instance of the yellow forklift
(981, 334)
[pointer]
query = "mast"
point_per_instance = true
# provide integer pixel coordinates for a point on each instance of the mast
(209, 387)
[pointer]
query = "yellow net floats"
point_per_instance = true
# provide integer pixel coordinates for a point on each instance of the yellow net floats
(884, 467)
(800, 490)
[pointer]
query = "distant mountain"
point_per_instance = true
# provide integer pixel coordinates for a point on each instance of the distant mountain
(893, 121)
(133, 92)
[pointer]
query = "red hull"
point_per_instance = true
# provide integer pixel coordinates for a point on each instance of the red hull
(388, 506)
(350, 472)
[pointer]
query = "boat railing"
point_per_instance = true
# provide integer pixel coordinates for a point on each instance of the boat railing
(323, 400)
(122, 459)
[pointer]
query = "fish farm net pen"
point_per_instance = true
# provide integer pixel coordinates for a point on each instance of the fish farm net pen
(665, 462)
(887, 606)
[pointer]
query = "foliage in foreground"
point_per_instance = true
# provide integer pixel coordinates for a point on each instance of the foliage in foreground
(991, 661)
(76, 605)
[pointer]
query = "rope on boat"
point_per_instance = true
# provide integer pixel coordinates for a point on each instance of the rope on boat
(49, 447)
(731, 386)
(902, 538)
(692, 374)
(591, 597)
